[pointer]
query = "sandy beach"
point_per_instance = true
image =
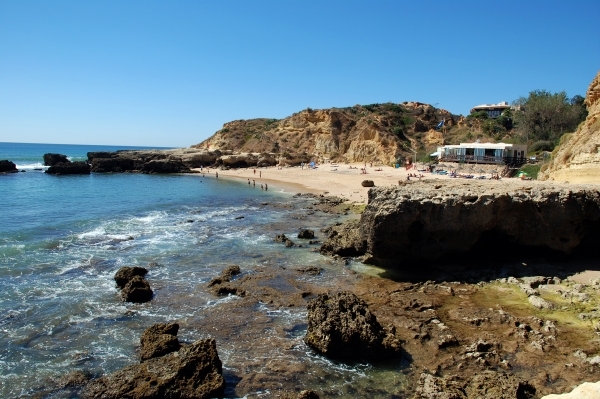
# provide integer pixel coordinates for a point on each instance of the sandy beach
(344, 180)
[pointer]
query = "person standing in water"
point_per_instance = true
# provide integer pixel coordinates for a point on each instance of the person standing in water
(266, 187)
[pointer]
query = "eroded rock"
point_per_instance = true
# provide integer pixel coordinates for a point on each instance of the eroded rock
(195, 371)
(341, 326)
(159, 340)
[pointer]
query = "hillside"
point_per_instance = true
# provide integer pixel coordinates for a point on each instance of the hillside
(362, 133)
(577, 159)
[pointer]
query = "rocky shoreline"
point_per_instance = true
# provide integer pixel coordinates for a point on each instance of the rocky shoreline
(488, 313)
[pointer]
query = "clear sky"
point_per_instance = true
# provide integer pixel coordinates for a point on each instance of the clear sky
(170, 73)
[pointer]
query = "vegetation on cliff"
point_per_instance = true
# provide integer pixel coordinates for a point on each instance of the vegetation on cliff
(390, 132)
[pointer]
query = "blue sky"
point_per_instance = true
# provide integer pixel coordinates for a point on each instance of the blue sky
(170, 73)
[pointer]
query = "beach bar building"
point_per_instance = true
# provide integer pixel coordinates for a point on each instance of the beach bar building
(488, 153)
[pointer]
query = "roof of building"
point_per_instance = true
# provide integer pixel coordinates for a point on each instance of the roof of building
(482, 145)
(502, 104)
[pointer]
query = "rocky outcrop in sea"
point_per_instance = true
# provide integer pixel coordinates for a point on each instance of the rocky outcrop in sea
(7, 166)
(60, 165)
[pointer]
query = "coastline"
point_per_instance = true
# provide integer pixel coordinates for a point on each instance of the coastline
(344, 180)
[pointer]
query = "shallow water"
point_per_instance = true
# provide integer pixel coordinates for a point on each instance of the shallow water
(63, 238)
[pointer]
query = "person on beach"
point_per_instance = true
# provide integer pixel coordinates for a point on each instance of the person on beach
(254, 181)
(254, 171)
(266, 187)
(261, 187)
(259, 173)
(248, 181)
(217, 175)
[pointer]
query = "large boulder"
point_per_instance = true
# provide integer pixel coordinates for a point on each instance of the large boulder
(137, 290)
(52, 159)
(7, 166)
(195, 371)
(69, 168)
(159, 340)
(341, 326)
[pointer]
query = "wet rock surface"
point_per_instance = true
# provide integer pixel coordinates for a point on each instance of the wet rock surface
(194, 371)
(341, 326)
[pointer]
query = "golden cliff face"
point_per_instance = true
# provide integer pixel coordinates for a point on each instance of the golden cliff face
(371, 133)
(577, 159)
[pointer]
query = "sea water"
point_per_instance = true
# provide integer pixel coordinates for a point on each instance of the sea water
(62, 238)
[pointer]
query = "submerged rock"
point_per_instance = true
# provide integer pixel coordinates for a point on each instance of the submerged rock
(341, 326)
(194, 371)
(159, 340)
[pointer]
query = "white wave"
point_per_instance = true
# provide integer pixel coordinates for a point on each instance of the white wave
(97, 232)
(31, 166)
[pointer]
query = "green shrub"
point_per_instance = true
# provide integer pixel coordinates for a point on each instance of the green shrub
(542, 146)
(531, 170)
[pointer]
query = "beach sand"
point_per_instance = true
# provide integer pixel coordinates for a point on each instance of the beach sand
(342, 181)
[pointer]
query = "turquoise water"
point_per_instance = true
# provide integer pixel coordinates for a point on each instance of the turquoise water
(62, 238)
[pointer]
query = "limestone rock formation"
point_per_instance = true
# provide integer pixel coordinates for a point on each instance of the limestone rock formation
(195, 371)
(344, 240)
(7, 166)
(150, 161)
(577, 159)
(341, 326)
(430, 220)
(69, 168)
(159, 340)
(485, 385)
(377, 132)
